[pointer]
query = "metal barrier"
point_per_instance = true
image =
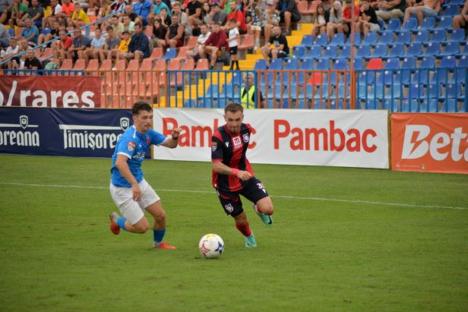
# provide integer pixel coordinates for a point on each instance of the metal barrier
(396, 90)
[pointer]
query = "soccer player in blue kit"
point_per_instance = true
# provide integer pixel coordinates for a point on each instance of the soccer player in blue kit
(129, 189)
(232, 174)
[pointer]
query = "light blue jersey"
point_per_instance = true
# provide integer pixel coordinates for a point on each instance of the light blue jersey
(134, 145)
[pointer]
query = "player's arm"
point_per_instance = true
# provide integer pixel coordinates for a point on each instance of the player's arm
(172, 140)
(221, 168)
(122, 166)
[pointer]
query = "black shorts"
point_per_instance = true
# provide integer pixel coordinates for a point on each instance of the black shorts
(233, 50)
(253, 190)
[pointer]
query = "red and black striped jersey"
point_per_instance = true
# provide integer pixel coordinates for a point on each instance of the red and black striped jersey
(230, 149)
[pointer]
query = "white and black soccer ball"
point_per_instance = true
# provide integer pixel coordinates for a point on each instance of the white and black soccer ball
(211, 246)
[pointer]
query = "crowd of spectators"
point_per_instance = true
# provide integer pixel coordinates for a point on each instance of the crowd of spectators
(101, 29)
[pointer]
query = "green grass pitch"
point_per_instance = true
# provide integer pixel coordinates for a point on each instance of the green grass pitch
(343, 240)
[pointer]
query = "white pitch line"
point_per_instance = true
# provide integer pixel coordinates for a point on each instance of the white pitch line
(352, 201)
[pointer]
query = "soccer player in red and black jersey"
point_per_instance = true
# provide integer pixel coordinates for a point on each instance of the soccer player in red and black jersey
(232, 173)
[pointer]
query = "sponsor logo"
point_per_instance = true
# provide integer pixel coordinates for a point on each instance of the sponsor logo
(21, 134)
(131, 146)
(229, 208)
(332, 138)
(92, 137)
(246, 138)
(236, 141)
(419, 141)
(214, 146)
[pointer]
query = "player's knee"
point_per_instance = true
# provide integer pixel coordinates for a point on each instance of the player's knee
(142, 226)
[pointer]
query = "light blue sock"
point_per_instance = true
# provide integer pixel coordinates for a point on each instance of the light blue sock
(121, 222)
(158, 235)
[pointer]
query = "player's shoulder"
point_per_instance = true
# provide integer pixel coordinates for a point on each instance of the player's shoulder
(246, 127)
(219, 132)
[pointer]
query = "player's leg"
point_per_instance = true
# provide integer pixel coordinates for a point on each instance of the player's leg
(132, 218)
(151, 202)
(257, 194)
(232, 206)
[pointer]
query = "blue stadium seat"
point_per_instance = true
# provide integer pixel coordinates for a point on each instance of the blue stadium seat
(299, 51)
(394, 24)
(449, 106)
(323, 64)
(410, 25)
(422, 36)
(307, 64)
(404, 37)
(341, 64)
(345, 52)
(364, 52)
(408, 63)
(458, 35)
(387, 37)
(451, 10)
(170, 54)
(452, 48)
(276, 64)
(380, 51)
(445, 23)
(438, 35)
(291, 64)
(261, 64)
(415, 50)
(392, 63)
(337, 40)
(432, 49)
(397, 50)
(321, 40)
(330, 52)
(314, 52)
(370, 39)
(359, 63)
(448, 62)
(307, 40)
(428, 23)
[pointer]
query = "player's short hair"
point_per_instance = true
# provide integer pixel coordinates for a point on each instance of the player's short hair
(139, 106)
(233, 108)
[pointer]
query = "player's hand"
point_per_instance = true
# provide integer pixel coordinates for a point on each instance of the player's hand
(136, 192)
(244, 175)
(175, 133)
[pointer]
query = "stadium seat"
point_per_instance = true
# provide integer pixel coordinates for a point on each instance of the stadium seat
(364, 52)
(404, 37)
(432, 49)
(299, 51)
(341, 64)
(93, 67)
(370, 39)
(375, 63)
(314, 52)
(337, 40)
(438, 35)
(458, 35)
(393, 24)
(397, 50)
(448, 62)
(415, 50)
(428, 23)
(321, 40)
(291, 64)
(422, 36)
(408, 63)
(191, 42)
(452, 48)
(445, 23)
(261, 64)
(276, 64)
(156, 53)
(170, 53)
(202, 64)
(307, 41)
(380, 51)
(67, 64)
(410, 25)
(386, 37)
(330, 52)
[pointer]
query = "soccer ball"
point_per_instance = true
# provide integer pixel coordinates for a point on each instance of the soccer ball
(211, 246)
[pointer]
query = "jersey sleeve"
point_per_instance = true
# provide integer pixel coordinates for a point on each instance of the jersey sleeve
(216, 146)
(126, 147)
(156, 138)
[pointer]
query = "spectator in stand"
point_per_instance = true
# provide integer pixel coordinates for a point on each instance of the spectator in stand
(11, 50)
(139, 47)
(368, 19)
(122, 50)
(118, 7)
(248, 93)
(270, 19)
(288, 13)
(350, 17)
(461, 20)
(49, 31)
(238, 14)
(16, 11)
(62, 46)
(217, 16)
(205, 15)
(164, 18)
(35, 13)
(320, 20)
(426, 8)
(216, 43)
(175, 36)
(31, 61)
(176, 10)
(51, 12)
(4, 37)
(335, 23)
(194, 10)
(112, 42)
(126, 25)
(201, 39)
(253, 20)
(79, 46)
(53, 63)
(79, 16)
(4, 4)
(233, 42)
(17, 62)
(30, 31)
(142, 8)
(67, 7)
(159, 5)
(277, 47)
(96, 50)
(130, 13)
(388, 9)
(159, 33)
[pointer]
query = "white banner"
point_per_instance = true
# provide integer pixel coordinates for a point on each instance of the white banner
(348, 138)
